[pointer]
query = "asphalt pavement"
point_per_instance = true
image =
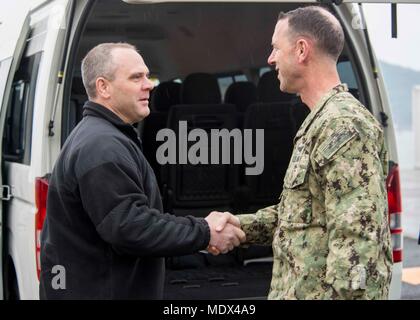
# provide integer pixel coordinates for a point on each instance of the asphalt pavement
(411, 270)
(410, 188)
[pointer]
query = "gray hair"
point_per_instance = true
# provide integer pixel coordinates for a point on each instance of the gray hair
(318, 24)
(99, 63)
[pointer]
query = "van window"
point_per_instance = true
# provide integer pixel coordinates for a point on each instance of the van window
(226, 81)
(347, 75)
(18, 125)
(240, 78)
(264, 70)
(345, 70)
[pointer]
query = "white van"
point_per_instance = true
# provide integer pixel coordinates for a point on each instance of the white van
(208, 53)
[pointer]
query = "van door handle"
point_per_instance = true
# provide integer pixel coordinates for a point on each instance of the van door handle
(6, 192)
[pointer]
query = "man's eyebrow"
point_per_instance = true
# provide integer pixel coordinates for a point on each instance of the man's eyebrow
(139, 74)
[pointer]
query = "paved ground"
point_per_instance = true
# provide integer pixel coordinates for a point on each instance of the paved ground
(410, 187)
(411, 271)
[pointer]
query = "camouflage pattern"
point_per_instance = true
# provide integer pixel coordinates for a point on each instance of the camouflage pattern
(330, 232)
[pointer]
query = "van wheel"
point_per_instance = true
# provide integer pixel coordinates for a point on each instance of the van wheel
(12, 288)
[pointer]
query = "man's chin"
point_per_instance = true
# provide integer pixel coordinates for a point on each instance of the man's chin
(144, 113)
(284, 89)
(282, 86)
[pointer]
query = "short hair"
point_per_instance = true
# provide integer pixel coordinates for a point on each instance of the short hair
(99, 63)
(319, 24)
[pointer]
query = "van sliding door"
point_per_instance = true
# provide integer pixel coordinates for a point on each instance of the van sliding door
(8, 67)
(25, 116)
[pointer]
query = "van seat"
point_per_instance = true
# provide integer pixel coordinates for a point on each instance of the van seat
(268, 89)
(276, 120)
(79, 96)
(241, 94)
(165, 95)
(299, 113)
(200, 88)
(200, 185)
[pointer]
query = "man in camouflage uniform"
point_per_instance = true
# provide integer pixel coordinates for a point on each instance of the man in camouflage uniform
(329, 233)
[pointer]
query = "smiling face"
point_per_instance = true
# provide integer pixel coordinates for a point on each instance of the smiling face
(129, 91)
(283, 57)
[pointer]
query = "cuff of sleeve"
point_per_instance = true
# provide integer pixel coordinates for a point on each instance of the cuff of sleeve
(249, 225)
(206, 228)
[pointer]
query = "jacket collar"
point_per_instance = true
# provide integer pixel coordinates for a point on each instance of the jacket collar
(318, 107)
(97, 110)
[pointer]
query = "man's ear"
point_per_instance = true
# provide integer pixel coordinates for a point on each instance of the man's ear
(303, 49)
(102, 87)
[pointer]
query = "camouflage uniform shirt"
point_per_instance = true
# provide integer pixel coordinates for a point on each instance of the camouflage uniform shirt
(330, 233)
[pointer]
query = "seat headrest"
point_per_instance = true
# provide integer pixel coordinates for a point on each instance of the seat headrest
(199, 88)
(77, 86)
(165, 95)
(241, 94)
(268, 89)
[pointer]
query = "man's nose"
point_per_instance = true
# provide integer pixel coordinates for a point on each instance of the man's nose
(149, 85)
(270, 59)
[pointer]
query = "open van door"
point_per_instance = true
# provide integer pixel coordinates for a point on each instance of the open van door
(29, 94)
(8, 66)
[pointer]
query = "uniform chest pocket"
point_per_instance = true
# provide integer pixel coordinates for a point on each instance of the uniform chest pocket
(298, 166)
(297, 171)
(296, 197)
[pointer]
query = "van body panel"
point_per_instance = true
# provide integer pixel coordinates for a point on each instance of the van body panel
(4, 73)
(8, 66)
(47, 25)
(21, 228)
(11, 28)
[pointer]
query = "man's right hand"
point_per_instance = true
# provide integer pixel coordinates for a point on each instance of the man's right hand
(225, 232)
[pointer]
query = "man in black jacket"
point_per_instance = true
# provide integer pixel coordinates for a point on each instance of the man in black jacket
(104, 226)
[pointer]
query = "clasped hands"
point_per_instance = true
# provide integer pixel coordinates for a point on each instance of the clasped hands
(225, 232)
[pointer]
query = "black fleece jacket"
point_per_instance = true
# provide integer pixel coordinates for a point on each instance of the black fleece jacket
(104, 220)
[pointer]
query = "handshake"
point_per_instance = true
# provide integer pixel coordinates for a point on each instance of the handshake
(225, 232)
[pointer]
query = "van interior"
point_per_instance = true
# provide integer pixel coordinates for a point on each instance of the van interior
(209, 62)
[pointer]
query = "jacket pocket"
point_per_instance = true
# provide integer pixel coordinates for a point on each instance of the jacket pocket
(296, 197)
(297, 172)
